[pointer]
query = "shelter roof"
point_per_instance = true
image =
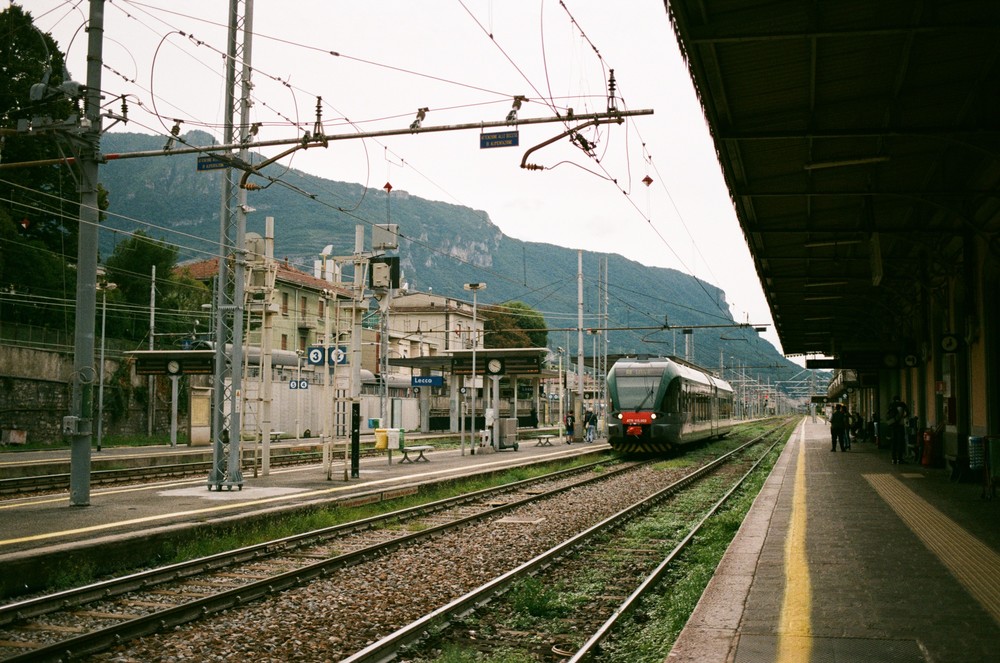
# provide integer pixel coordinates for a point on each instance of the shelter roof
(859, 141)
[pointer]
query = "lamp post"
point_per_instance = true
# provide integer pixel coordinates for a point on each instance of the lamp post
(475, 288)
(562, 417)
(103, 287)
(298, 394)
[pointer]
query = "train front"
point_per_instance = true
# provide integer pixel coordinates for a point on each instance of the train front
(637, 421)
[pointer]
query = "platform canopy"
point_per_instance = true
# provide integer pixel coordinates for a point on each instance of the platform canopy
(859, 140)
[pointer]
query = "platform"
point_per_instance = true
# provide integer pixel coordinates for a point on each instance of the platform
(846, 557)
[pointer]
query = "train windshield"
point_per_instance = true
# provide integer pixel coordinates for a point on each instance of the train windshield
(637, 387)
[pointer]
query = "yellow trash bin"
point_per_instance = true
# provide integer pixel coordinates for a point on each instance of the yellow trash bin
(381, 438)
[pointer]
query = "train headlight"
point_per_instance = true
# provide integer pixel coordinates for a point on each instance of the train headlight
(619, 415)
(652, 415)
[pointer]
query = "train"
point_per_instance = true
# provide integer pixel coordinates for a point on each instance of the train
(659, 405)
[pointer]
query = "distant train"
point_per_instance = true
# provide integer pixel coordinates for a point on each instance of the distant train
(658, 405)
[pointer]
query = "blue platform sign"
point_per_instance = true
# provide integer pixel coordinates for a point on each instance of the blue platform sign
(498, 139)
(211, 163)
(427, 381)
(315, 355)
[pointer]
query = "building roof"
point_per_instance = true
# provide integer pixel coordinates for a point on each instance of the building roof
(204, 270)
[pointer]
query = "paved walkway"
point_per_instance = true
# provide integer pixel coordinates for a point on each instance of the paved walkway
(846, 557)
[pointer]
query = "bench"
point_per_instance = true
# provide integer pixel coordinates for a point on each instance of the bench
(419, 450)
(544, 441)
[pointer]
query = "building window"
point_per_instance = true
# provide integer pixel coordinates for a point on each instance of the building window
(303, 307)
(284, 341)
(284, 303)
(319, 308)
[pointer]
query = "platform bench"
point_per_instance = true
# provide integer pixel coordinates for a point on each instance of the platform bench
(419, 450)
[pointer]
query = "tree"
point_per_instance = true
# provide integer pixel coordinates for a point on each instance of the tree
(178, 297)
(41, 201)
(514, 325)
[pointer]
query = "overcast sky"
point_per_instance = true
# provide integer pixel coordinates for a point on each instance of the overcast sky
(465, 61)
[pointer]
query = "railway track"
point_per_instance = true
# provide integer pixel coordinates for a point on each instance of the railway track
(353, 585)
(636, 546)
(81, 621)
(20, 486)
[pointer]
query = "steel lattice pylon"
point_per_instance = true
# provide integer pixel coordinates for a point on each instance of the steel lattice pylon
(229, 295)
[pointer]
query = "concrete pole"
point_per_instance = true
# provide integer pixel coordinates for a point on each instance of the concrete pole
(578, 406)
(78, 424)
(151, 381)
(265, 346)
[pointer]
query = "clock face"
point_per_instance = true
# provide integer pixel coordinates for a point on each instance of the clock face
(173, 367)
(949, 343)
(494, 366)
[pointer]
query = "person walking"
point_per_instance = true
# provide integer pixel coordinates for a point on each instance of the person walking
(895, 419)
(570, 420)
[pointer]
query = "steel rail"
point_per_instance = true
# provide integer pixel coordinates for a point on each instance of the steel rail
(102, 639)
(386, 649)
(589, 649)
(39, 482)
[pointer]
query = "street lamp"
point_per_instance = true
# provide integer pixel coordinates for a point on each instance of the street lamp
(103, 287)
(475, 288)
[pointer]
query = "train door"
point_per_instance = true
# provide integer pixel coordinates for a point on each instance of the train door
(713, 406)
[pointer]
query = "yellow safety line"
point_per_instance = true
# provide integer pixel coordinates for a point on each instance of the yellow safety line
(974, 564)
(795, 626)
(227, 507)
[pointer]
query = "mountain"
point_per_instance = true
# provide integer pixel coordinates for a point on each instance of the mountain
(442, 247)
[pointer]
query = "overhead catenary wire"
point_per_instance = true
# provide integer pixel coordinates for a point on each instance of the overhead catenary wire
(714, 299)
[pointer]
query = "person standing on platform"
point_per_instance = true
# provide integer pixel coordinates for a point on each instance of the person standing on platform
(837, 424)
(845, 436)
(570, 420)
(590, 424)
(895, 419)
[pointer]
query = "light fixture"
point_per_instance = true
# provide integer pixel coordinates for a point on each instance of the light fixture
(824, 284)
(823, 298)
(839, 163)
(832, 242)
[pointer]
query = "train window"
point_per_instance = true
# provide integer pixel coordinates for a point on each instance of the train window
(672, 401)
(637, 392)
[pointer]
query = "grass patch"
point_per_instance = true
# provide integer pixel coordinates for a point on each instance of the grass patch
(245, 534)
(656, 623)
(106, 441)
(533, 598)
(454, 653)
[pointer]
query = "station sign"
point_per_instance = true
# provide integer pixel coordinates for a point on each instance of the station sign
(427, 381)
(509, 365)
(173, 362)
(498, 139)
(211, 163)
(298, 384)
